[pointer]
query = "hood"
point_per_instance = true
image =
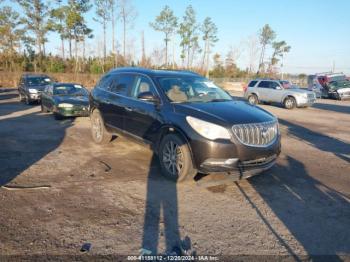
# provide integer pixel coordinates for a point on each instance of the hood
(75, 100)
(343, 90)
(225, 113)
(301, 91)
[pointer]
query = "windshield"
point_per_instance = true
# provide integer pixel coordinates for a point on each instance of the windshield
(39, 81)
(185, 89)
(339, 84)
(70, 90)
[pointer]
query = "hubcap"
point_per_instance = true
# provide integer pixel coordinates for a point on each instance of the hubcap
(97, 127)
(289, 103)
(252, 100)
(173, 158)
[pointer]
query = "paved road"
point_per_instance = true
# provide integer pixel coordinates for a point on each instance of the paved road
(114, 197)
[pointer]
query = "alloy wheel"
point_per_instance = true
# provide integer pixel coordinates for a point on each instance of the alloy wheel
(173, 158)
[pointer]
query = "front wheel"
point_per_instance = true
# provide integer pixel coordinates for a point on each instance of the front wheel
(98, 131)
(27, 100)
(43, 109)
(175, 158)
(253, 99)
(290, 103)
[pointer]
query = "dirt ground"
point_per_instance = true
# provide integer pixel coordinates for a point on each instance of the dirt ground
(115, 198)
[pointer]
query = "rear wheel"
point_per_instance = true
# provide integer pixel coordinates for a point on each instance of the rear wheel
(98, 131)
(290, 102)
(253, 99)
(20, 97)
(175, 159)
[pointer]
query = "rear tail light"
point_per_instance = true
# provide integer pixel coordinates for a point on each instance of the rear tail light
(245, 87)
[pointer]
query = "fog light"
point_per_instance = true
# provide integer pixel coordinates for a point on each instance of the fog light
(220, 162)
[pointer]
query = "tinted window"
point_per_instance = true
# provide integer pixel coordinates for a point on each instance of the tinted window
(264, 84)
(70, 89)
(38, 81)
(273, 85)
(104, 82)
(252, 83)
(121, 83)
(142, 84)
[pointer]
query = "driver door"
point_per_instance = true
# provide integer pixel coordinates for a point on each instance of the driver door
(142, 118)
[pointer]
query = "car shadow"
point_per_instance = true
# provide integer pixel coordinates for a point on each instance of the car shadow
(335, 108)
(161, 215)
(322, 142)
(25, 138)
(310, 211)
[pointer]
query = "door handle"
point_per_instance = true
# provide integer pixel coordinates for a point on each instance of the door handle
(128, 109)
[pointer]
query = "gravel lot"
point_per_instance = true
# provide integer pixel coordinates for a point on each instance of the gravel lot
(115, 198)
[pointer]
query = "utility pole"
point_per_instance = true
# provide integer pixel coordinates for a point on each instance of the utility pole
(282, 67)
(143, 59)
(173, 51)
(333, 67)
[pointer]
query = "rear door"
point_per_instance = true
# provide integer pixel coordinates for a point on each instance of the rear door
(262, 88)
(118, 89)
(142, 118)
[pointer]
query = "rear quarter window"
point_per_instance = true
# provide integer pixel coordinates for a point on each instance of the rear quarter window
(252, 83)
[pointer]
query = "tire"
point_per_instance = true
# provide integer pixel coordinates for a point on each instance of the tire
(289, 102)
(253, 99)
(27, 100)
(171, 150)
(57, 116)
(20, 97)
(98, 130)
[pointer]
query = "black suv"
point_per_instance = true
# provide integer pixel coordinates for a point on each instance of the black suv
(189, 122)
(31, 86)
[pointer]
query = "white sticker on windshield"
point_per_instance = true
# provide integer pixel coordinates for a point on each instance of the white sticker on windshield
(47, 79)
(78, 86)
(210, 84)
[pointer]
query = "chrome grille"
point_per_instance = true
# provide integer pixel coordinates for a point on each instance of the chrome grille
(256, 134)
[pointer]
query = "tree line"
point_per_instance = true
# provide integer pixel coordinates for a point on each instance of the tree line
(25, 36)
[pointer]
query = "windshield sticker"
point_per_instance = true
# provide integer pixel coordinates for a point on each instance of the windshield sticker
(210, 84)
(78, 86)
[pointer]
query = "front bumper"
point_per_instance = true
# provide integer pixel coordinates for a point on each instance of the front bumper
(34, 96)
(74, 111)
(233, 157)
(306, 102)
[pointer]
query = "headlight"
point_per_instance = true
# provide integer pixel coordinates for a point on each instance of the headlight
(208, 130)
(65, 105)
(32, 91)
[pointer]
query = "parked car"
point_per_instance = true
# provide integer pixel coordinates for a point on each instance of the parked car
(190, 131)
(339, 89)
(31, 86)
(319, 83)
(65, 99)
(278, 91)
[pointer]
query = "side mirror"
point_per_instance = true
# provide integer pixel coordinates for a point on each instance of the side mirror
(149, 97)
(278, 88)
